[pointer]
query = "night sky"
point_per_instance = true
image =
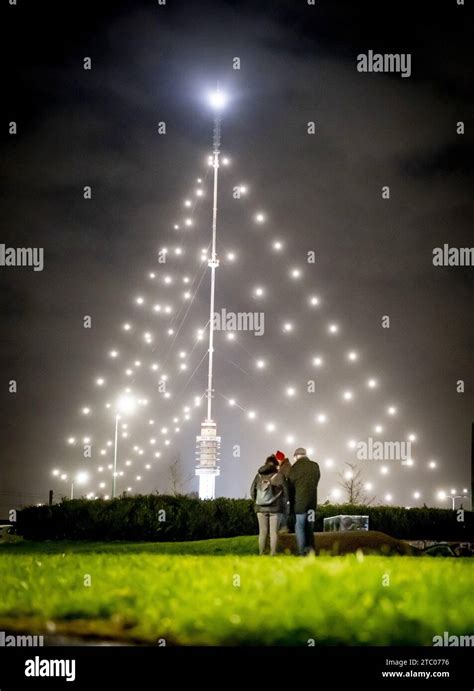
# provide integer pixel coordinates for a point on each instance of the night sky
(320, 193)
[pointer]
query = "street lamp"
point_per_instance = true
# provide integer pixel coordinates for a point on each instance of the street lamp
(80, 479)
(125, 405)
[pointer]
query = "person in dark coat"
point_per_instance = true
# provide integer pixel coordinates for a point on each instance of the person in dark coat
(270, 494)
(304, 478)
(284, 467)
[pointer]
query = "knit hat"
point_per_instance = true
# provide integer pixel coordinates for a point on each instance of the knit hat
(300, 451)
(280, 456)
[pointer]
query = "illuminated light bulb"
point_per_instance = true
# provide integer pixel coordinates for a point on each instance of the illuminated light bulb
(178, 251)
(100, 381)
(368, 486)
(352, 356)
(147, 466)
(321, 418)
(277, 245)
(109, 443)
(108, 405)
(317, 361)
(270, 427)
(103, 452)
(152, 274)
(416, 495)
(258, 292)
(409, 462)
(183, 366)
(157, 308)
(106, 496)
(199, 193)
(187, 295)
(100, 469)
(113, 353)
(336, 493)
(186, 279)
(170, 332)
(384, 470)
(200, 334)
(290, 439)
(167, 395)
(176, 226)
(64, 476)
(231, 401)
(167, 280)
(168, 309)
(128, 462)
(348, 395)
(86, 410)
(55, 472)
(139, 477)
(329, 463)
(442, 495)
(391, 410)
(157, 454)
(137, 363)
(164, 377)
(197, 402)
(167, 442)
(225, 161)
(86, 440)
(243, 189)
(260, 217)
(412, 437)
(372, 383)
(186, 409)
(188, 222)
(348, 475)
(333, 328)
(128, 372)
(199, 181)
(453, 491)
(71, 440)
(230, 337)
(290, 391)
(187, 416)
(314, 301)
(102, 485)
(295, 273)
(155, 366)
(147, 336)
(352, 444)
(187, 203)
(139, 300)
(378, 429)
(217, 99)
(288, 326)
(388, 497)
(210, 161)
(432, 464)
(176, 429)
(126, 327)
(230, 256)
(251, 415)
(260, 364)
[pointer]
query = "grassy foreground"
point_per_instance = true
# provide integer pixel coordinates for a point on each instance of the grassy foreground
(147, 592)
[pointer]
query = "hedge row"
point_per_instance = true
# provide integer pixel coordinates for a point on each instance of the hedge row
(161, 518)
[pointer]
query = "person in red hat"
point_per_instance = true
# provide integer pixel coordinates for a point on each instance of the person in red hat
(284, 467)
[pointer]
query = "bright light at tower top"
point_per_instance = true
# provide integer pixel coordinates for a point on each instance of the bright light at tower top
(217, 99)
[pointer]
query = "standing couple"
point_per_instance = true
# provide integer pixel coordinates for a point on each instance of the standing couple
(281, 489)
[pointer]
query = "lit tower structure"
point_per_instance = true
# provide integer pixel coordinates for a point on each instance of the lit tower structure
(208, 443)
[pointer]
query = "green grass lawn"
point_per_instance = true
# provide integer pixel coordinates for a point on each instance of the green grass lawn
(217, 593)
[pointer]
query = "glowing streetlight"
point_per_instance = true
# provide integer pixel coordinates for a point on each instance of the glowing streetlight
(125, 405)
(217, 100)
(80, 479)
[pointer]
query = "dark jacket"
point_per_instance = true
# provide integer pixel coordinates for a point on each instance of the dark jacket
(281, 490)
(304, 477)
(285, 468)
